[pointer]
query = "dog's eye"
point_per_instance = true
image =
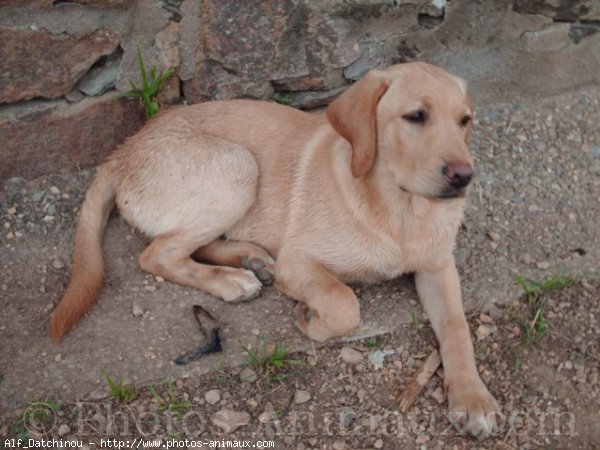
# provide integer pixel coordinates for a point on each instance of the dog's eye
(418, 117)
(465, 121)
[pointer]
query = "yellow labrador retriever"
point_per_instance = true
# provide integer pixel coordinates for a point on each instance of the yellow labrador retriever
(373, 189)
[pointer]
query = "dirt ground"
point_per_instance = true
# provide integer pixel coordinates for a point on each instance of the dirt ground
(533, 212)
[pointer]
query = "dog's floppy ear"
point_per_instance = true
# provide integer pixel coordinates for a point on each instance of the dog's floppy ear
(353, 116)
(469, 103)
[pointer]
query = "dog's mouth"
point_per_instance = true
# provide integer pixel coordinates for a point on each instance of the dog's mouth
(445, 194)
(451, 193)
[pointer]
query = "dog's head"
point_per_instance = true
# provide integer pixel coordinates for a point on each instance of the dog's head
(415, 121)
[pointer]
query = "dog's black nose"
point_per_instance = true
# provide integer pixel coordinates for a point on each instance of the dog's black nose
(458, 174)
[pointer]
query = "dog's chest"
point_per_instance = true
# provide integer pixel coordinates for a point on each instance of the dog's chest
(413, 244)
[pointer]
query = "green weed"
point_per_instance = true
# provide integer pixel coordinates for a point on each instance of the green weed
(169, 402)
(534, 325)
(39, 416)
(283, 99)
(121, 391)
(271, 362)
(373, 343)
(152, 84)
(416, 320)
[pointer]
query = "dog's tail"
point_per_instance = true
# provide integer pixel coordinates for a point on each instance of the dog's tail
(88, 265)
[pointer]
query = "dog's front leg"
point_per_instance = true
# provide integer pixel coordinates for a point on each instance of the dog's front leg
(328, 307)
(472, 407)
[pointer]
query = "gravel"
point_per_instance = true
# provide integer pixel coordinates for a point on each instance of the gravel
(335, 404)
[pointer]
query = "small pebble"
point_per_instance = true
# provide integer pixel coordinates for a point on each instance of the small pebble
(543, 265)
(248, 375)
(482, 332)
(351, 356)
(339, 445)
(301, 396)
(421, 439)
(266, 416)
(54, 190)
(485, 318)
(57, 264)
(494, 236)
(137, 310)
(63, 430)
(229, 420)
(378, 443)
(438, 395)
(213, 396)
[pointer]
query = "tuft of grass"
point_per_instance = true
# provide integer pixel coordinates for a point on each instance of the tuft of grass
(283, 98)
(41, 415)
(373, 343)
(169, 402)
(534, 325)
(416, 320)
(271, 362)
(152, 84)
(121, 391)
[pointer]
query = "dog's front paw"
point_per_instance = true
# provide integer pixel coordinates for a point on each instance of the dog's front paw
(473, 409)
(239, 285)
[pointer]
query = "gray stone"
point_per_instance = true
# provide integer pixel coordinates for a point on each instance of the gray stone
(39, 64)
(351, 356)
(101, 77)
(315, 99)
(248, 375)
(552, 38)
(565, 10)
(147, 20)
(63, 430)
(229, 420)
(74, 96)
(370, 57)
(301, 396)
(377, 358)
(76, 135)
(137, 310)
(213, 396)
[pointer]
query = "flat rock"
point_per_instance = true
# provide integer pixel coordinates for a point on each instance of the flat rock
(39, 64)
(351, 356)
(213, 396)
(301, 396)
(101, 77)
(248, 375)
(229, 420)
(71, 135)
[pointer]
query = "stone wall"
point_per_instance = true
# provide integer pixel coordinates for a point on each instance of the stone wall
(62, 62)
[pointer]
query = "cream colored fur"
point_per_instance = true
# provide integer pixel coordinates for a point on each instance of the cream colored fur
(355, 195)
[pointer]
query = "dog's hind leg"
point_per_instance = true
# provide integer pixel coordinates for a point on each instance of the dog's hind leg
(239, 254)
(185, 190)
(168, 256)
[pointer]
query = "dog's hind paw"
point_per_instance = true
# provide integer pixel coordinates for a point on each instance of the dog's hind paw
(264, 270)
(241, 285)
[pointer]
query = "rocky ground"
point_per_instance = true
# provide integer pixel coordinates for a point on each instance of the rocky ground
(345, 396)
(533, 212)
